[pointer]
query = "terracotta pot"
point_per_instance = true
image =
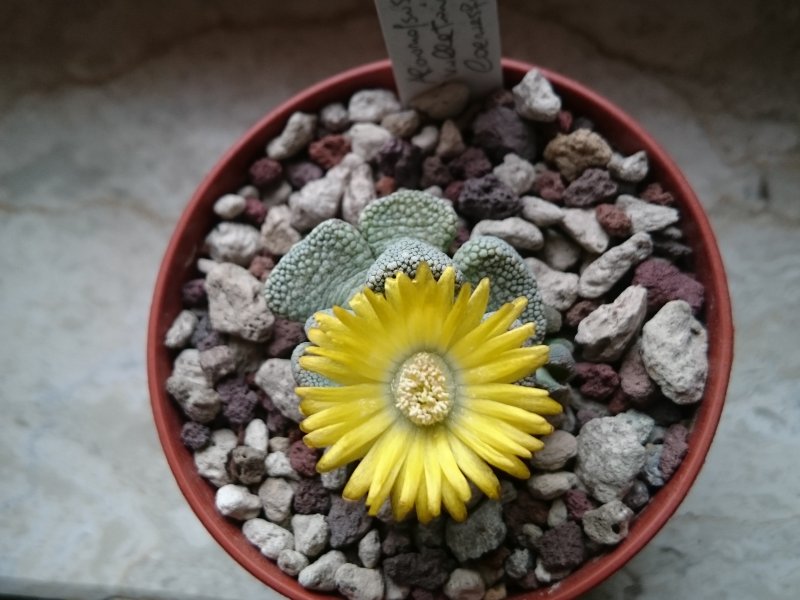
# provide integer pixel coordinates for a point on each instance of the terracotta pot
(624, 133)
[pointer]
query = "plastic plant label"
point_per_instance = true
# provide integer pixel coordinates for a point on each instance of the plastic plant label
(434, 41)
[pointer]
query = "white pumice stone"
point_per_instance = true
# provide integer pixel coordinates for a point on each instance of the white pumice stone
(181, 330)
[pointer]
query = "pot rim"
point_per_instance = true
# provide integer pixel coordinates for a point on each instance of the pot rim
(628, 136)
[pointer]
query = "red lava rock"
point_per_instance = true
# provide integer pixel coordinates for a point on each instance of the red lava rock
(265, 172)
(592, 186)
(562, 547)
(204, 337)
(303, 459)
(657, 195)
(674, 449)
(285, 336)
(579, 311)
(261, 266)
(195, 435)
(599, 379)
(619, 403)
(564, 121)
(254, 211)
(397, 541)
(529, 582)
(549, 185)
(385, 186)
(453, 191)
(277, 424)
(524, 509)
(435, 172)
(471, 163)
(294, 435)
(348, 522)
(311, 498)
(634, 380)
(501, 130)
(665, 282)
(577, 502)
(240, 408)
(329, 151)
(487, 198)
(613, 220)
(462, 236)
(428, 569)
(232, 387)
(499, 97)
(402, 160)
(302, 172)
(193, 293)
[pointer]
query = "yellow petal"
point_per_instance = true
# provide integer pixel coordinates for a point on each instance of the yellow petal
(374, 367)
(424, 514)
(528, 398)
(518, 417)
(433, 474)
(507, 367)
(491, 433)
(448, 464)
(355, 442)
(394, 449)
(405, 489)
(352, 412)
(453, 503)
(494, 346)
(474, 468)
(505, 462)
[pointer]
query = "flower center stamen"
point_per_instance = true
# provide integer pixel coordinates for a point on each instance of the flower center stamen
(423, 389)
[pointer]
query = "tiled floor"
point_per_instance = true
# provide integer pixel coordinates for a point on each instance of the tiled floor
(110, 115)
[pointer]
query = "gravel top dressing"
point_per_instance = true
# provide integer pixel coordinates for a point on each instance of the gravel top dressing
(367, 202)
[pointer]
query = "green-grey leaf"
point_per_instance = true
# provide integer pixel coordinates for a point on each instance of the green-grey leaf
(509, 277)
(405, 255)
(304, 377)
(408, 213)
(323, 270)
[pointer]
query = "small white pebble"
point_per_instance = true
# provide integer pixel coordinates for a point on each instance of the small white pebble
(256, 435)
(426, 139)
(181, 330)
(236, 502)
(229, 206)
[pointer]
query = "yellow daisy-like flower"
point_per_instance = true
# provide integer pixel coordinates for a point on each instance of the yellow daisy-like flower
(426, 396)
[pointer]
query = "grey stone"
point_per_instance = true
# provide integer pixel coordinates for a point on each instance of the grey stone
(607, 331)
(292, 562)
(233, 242)
(277, 234)
(348, 521)
(646, 216)
(517, 173)
(297, 134)
(334, 117)
(229, 206)
(535, 99)
(631, 168)
(372, 105)
(402, 124)
(358, 583)
(582, 226)
(531, 534)
(427, 139)
(278, 465)
(482, 532)
(558, 289)
(276, 379)
(256, 435)
(651, 472)
(607, 524)
(190, 386)
(553, 320)
(608, 268)
(367, 139)
(675, 352)
(279, 444)
(560, 252)
(609, 457)
(211, 461)
(369, 549)
(321, 574)
(519, 563)
(204, 265)
(236, 304)
(358, 193)
(217, 362)
(547, 486)
(269, 538)
(276, 497)
(236, 502)
(518, 232)
(277, 196)
(545, 575)
(310, 534)
(393, 590)
(335, 479)
(541, 212)
(464, 584)
(642, 423)
(181, 330)
(559, 448)
(451, 142)
(557, 513)
(317, 201)
(442, 102)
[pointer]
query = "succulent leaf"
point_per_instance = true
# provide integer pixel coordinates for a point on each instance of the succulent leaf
(408, 214)
(510, 278)
(405, 255)
(304, 377)
(324, 269)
